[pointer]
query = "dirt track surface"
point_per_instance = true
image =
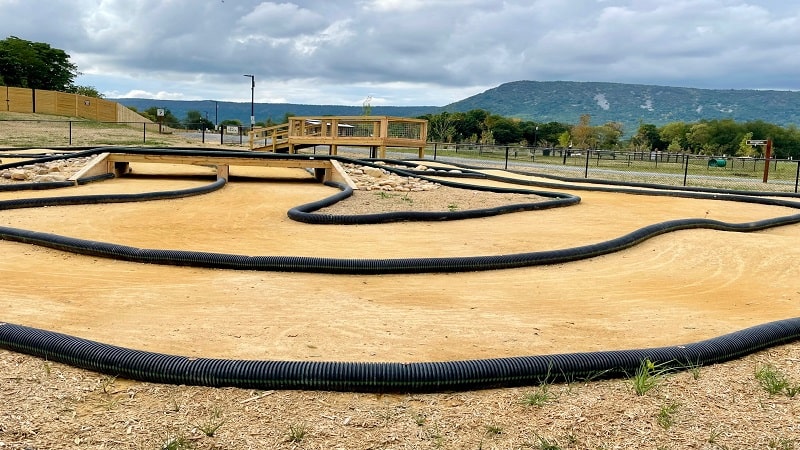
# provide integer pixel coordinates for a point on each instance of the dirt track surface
(673, 289)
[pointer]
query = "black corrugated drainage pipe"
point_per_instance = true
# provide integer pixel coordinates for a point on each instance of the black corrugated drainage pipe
(389, 376)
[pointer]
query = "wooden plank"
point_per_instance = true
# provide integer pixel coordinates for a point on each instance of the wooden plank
(97, 166)
(215, 161)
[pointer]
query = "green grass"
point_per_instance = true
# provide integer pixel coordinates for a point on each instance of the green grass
(775, 382)
(539, 397)
(210, 426)
(494, 430)
(647, 377)
(666, 415)
(544, 443)
(782, 444)
(179, 442)
(297, 433)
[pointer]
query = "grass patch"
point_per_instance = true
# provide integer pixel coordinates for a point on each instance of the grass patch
(179, 442)
(776, 382)
(539, 397)
(666, 415)
(545, 443)
(297, 433)
(647, 377)
(211, 425)
(494, 430)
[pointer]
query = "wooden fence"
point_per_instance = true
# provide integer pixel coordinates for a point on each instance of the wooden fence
(24, 100)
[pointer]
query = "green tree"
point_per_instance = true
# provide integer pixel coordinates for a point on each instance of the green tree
(440, 127)
(699, 138)
(725, 136)
(648, 138)
(230, 122)
(35, 65)
(506, 131)
(196, 120)
(564, 139)
(167, 119)
(583, 134)
(87, 91)
(470, 125)
(746, 149)
(675, 133)
(608, 135)
(549, 134)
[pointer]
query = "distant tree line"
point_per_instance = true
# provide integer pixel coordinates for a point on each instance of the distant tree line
(704, 137)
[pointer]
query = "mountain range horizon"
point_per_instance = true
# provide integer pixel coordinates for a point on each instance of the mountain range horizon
(541, 102)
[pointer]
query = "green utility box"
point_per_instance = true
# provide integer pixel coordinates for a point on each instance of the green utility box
(717, 162)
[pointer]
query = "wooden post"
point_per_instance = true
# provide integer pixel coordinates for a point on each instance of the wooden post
(223, 171)
(767, 156)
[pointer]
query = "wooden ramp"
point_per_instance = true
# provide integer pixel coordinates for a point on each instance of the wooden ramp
(117, 163)
(376, 132)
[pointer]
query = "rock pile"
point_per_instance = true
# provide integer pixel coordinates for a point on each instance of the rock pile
(43, 172)
(376, 179)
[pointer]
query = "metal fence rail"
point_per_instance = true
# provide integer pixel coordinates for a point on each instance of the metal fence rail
(83, 133)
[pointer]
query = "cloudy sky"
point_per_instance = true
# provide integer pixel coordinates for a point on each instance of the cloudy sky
(408, 52)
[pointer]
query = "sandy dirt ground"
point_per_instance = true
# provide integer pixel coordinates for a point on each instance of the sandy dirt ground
(673, 289)
(676, 288)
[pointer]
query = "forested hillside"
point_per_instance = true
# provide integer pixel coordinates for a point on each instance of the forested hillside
(631, 104)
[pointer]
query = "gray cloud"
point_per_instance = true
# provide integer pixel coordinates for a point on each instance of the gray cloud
(409, 51)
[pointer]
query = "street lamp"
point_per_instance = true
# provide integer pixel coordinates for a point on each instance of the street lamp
(252, 97)
(535, 132)
(216, 113)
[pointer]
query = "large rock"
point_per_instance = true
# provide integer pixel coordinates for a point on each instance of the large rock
(373, 172)
(49, 178)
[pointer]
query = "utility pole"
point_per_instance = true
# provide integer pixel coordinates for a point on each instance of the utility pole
(252, 99)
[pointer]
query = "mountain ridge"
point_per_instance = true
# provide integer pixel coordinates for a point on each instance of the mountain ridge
(545, 101)
(631, 104)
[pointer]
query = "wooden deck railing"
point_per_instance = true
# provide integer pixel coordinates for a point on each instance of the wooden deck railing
(376, 132)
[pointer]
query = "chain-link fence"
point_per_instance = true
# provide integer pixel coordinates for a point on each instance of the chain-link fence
(674, 169)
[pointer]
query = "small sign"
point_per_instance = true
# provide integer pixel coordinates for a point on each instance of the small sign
(756, 142)
(232, 129)
(160, 112)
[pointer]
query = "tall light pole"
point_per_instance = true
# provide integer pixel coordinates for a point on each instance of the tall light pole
(216, 113)
(252, 98)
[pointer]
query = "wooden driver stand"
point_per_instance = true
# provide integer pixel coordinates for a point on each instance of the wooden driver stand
(376, 132)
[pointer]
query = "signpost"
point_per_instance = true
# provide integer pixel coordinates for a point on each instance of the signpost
(767, 153)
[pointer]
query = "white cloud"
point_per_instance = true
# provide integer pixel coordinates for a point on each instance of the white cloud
(410, 52)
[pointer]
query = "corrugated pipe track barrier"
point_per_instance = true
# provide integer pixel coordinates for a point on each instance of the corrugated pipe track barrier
(381, 377)
(387, 377)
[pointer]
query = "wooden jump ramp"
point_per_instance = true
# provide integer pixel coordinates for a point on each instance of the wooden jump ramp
(117, 163)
